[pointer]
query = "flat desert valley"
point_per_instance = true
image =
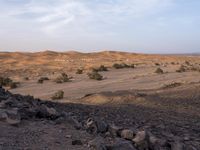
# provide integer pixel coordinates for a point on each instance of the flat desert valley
(105, 101)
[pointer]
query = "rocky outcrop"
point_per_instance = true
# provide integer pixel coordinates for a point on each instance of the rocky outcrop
(16, 108)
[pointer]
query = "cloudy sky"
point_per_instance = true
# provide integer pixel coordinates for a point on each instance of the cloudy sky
(149, 26)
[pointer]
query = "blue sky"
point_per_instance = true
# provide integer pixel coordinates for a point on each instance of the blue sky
(148, 26)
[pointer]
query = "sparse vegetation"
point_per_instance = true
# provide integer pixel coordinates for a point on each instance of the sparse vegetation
(157, 64)
(132, 66)
(13, 85)
(26, 78)
(181, 69)
(159, 71)
(79, 71)
(8, 82)
(95, 75)
(42, 79)
(58, 95)
(172, 85)
(195, 68)
(123, 65)
(187, 63)
(62, 78)
(101, 68)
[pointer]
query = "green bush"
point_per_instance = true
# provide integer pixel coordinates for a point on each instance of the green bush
(95, 75)
(159, 71)
(58, 95)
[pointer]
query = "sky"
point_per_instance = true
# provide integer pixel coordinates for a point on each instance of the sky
(145, 26)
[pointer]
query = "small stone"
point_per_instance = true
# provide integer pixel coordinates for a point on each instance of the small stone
(191, 148)
(77, 142)
(10, 116)
(68, 136)
(3, 115)
(177, 146)
(141, 140)
(13, 122)
(97, 144)
(51, 111)
(114, 130)
(102, 126)
(127, 134)
(121, 144)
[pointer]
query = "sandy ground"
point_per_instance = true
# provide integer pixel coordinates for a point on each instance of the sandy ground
(140, 78)
(135, 98)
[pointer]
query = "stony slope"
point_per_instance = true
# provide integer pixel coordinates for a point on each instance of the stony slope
(28, 123)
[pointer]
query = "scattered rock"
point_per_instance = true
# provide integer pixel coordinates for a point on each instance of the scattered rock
(141, 140)
(96, 126)
(97, 144)
(177, 145)
(10, 116)
(127, 134)
(77, 142)
(121, 144)
(114, 130)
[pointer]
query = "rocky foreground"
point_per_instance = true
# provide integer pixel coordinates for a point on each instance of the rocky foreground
(28, 123)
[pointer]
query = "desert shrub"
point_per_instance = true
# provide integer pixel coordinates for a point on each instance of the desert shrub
(26, 78)
(102, 68)
(172, 85)
(79, 71)
(181, 69)
(13, 85)
(62, 78)
(187, 63)
(8, 82)
(159, 71)
(42, 79)
(173, 63)
(194, 69)
(157, 64)
(132, 66)
(122, 65)
(117, 66)
(95, 70)
(95, 75)
(58, 95)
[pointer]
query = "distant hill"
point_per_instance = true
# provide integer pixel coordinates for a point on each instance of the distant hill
(39, 63)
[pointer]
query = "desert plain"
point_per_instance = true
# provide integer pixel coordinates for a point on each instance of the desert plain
(141, 101)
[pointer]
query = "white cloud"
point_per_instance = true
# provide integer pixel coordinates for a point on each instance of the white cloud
(51, 16)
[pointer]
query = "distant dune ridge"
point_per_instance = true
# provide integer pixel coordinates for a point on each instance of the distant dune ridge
(39, 63)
